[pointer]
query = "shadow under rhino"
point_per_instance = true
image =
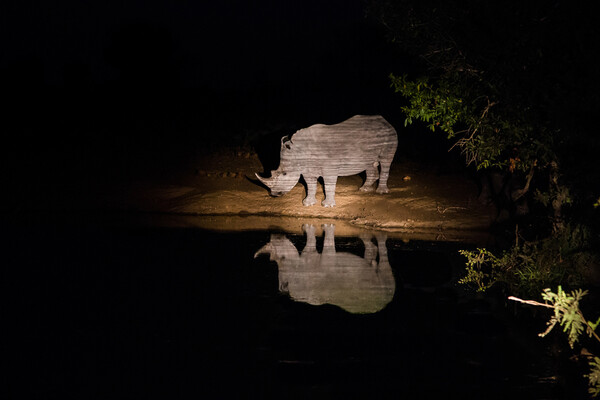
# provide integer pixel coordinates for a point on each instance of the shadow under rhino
(356, 284)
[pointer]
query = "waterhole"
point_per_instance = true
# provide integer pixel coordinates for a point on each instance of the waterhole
(133, 312)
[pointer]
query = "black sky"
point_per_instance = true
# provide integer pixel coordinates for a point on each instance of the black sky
(108, 82)
(217, 44)
(324, 59)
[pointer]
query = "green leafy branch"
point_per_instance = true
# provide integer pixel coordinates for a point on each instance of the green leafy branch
(594, 377)
(530, 266)
(482, 269)
(437, 105)
(486, 138)
(568, 315)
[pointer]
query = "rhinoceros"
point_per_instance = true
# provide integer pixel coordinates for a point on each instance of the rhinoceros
(361, 143)
(356, 284)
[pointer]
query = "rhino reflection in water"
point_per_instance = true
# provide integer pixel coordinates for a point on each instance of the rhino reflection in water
(356, 284)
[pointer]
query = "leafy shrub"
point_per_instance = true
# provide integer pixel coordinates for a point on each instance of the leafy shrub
(568, 315)
(530, 267)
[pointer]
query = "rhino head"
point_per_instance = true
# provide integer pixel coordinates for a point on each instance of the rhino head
(284, 178)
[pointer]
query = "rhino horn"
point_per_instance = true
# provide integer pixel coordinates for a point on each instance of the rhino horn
(266, 181)
(266, 249)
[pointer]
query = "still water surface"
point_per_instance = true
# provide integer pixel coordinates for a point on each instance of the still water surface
(190, 313)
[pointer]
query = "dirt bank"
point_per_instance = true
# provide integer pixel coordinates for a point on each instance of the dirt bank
(220, 192)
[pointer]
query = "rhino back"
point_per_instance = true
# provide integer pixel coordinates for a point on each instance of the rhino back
(346, 148)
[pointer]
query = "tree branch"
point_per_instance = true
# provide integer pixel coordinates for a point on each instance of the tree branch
(517, 194)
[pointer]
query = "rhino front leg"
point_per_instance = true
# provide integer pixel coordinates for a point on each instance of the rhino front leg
(381, 247)
(311, 190)
(383, 177)
(372, 176)
(311, 241)
(330, 182)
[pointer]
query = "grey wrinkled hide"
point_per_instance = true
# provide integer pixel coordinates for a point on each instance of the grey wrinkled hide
(361, 143)
(356, 284)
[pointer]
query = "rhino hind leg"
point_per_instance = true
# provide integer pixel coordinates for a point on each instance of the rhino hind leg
(381, 238)
(383, 177)
(372, 176)
(370, 249)
(329, 239)
(330, 183)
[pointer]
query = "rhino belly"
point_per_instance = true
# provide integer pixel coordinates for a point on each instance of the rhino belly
(349, 167)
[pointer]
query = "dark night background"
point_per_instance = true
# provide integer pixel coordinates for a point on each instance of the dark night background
(108, 88)
(104, 90)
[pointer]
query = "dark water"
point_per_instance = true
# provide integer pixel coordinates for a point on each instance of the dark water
(186, 313)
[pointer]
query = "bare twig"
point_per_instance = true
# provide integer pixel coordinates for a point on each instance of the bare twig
(530, 302)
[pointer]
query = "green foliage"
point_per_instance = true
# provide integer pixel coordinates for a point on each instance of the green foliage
(482, 269)
(594, 377)
(559, 193)
(529, 267)
(438, 106)
(528, 278)
(499, 82)
(478, 100)
(567, 314)
(488, 80)
(465, 113)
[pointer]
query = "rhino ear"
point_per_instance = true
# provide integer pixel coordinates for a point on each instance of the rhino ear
(286, 142)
